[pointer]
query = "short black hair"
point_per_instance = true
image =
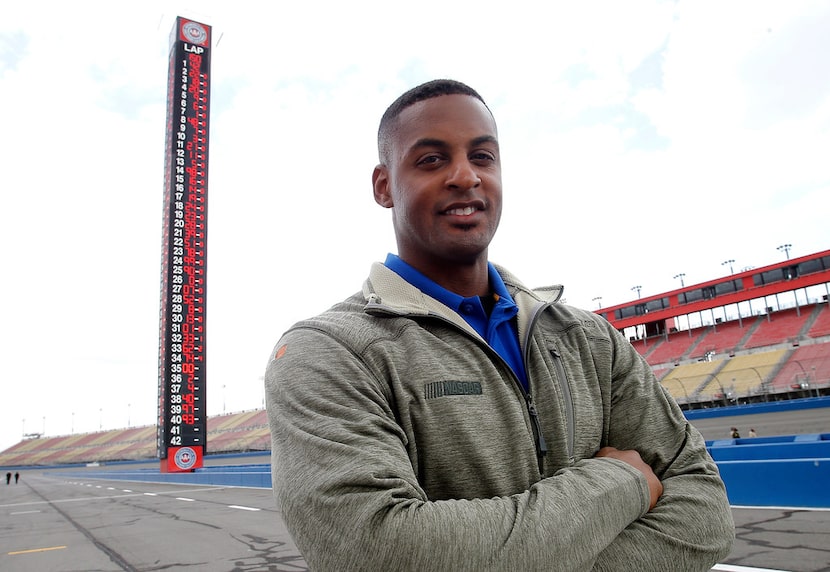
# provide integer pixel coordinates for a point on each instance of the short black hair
(428, 90)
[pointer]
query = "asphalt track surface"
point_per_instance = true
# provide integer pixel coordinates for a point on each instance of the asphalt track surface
(766, 424)
(59, 523)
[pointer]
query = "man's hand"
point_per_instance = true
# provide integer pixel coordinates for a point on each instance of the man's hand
(633, 458)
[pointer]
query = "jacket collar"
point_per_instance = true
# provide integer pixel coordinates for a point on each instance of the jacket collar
(386, 293)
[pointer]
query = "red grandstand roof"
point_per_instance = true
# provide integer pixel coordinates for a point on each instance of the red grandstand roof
(785, 276)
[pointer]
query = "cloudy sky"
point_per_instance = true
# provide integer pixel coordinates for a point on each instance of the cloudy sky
(640, 140)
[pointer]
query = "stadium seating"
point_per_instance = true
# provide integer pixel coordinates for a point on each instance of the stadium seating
(778, 327)
(744, 374)
(238, 432)
(690, 378)
(821, 327)
(807, 366)
(726, 337)
(672, 348)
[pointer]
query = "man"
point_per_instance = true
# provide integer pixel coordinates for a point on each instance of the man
(449, 418)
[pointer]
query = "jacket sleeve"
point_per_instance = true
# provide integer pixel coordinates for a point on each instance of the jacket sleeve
(351, 500)
(691, 526)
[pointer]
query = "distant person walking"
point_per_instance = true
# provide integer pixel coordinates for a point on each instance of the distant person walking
(735, 434)
(752, 432)
(8, 478)
(16, 477)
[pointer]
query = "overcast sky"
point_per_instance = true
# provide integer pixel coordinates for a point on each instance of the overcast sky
(639, 140)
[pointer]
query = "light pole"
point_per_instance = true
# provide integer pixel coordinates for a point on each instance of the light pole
(681, 275)
(598, 300)
(128, 415)
(100, 418)
(786, 248)
(815, 382)
(637, 288)
(730, 262)
(223, 398)
(72, 428)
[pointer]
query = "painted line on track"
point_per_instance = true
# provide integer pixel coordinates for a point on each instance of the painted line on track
(804, 508)
(734, 568)
(33, 550)
(108, 497)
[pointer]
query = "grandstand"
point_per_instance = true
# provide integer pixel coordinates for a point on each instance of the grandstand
(767, 353)
(231, 433)
(782, 355)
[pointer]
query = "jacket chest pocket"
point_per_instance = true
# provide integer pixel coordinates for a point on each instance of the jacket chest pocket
(572, 409)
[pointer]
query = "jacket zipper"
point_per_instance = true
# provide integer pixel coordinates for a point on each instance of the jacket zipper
(538, 438)
(541, 445)
(569, 407)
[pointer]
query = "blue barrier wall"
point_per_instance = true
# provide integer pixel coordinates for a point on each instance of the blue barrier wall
(252, 476)
(769, 448)
(755, 408)
(785, 471)
(781, 471)
(796, 483)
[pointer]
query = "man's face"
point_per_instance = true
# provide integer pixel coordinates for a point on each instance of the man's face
(442, 180)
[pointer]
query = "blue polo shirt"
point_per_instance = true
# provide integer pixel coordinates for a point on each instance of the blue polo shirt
(499, 329)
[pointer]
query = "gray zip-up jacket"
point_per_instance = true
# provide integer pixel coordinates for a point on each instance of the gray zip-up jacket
(401, 441)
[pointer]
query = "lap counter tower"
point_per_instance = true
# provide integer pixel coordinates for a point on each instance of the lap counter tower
(182, 417)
